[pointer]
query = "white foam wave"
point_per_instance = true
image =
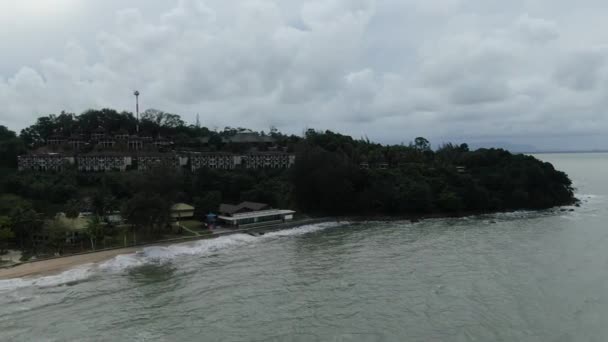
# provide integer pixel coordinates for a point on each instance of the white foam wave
(589, 197)
(306, 229)
(157, 254)
(72, 275)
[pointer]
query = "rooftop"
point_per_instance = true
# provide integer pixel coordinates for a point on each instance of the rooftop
(181, 207)
(243, 138)
(253, 214)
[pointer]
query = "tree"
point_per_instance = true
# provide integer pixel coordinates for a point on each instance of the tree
(6, 134)
(57, 232)
(6, 233)
(95, 231)
(207, 203)
(72, 208)
(146, 213)
(450, 202)
(422, 144)
(10, 148)
(26, 224)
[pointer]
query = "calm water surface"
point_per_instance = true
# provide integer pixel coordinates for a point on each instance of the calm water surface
(539, 276)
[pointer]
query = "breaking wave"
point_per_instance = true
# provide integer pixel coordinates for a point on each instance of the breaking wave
(158, 254)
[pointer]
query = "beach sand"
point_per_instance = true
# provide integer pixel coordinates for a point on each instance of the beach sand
(61, 264)
(58, 265)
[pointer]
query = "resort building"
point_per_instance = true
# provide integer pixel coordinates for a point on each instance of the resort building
(251, 213)
(122, 135)
(148, 161)
(106, 142)
(98, 133)
(76, 141)
(249, 138)
(44, 162)
(103, 162)
(181, 211)
(161, 142)
(224, 161)
(55, 140)
(269, 160)
(135, 143)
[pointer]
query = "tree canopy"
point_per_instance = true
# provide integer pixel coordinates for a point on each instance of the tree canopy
(334, 174)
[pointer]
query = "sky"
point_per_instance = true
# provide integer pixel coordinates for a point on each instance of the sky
(528, 73)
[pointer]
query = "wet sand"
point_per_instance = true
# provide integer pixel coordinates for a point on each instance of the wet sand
(58, 265)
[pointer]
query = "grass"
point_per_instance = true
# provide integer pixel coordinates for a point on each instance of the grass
(192, 224)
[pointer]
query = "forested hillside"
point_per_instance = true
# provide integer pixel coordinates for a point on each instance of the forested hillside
(334, 174)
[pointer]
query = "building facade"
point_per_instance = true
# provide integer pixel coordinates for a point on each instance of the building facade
(103, 162)
(223, 161)
(269, 160)
(152, 160)
(44, 162)
(142, 161)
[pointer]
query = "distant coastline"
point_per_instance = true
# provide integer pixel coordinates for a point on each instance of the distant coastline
(567, 152)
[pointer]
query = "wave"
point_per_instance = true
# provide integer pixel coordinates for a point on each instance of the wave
(70, 276)
(158, 254)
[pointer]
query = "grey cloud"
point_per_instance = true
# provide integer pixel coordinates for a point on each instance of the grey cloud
(582, 70)
(537, 30)
(390, 69)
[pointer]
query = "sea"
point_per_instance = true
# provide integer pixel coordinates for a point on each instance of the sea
(521, 276)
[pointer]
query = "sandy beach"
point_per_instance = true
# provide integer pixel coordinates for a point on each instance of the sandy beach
(61, 264)
(58, 265)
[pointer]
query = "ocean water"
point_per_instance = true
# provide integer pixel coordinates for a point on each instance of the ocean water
(523, 276)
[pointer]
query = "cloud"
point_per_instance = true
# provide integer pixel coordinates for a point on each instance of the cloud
(537, 30)
(582, 70)
(391, 70)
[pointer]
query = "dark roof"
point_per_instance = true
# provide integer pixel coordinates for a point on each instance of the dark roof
(242, 207)
(157, 154)
(76, 136)
(218, 153)
(243, 138)
(270, 153)
(253, 205)
(99, 129)
(228, 208)
(42, 154)
(105, 154)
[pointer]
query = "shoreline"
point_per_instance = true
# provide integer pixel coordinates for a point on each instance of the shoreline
(56, 265)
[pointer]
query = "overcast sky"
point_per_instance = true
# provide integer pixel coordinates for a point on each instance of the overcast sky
(531, 72)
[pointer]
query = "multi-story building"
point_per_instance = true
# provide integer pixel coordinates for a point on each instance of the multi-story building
(106, 142)
(149, 161)
(270, 160)
(55, 140)
(76, 141)
(249, 138)
(44, 162)
(98, 133)
(142, 161)
(161, 142)
(122, 135)
(103, 162)
(214, 160)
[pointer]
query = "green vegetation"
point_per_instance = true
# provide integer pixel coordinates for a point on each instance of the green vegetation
(334, 174)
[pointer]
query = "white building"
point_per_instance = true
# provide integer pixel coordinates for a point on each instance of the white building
(103, 162)
(269, 160)
(44, 162)
(224, 161)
